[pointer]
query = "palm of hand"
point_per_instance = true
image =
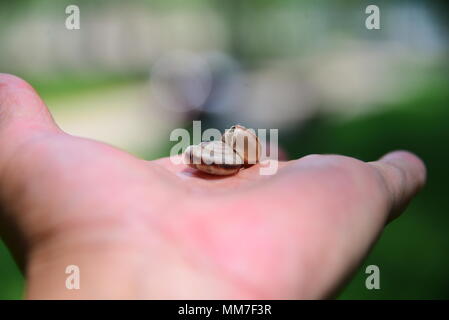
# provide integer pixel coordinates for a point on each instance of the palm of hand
(176, 233)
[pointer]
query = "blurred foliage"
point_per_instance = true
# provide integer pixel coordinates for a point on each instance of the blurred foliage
(11, 280)
(69, 84)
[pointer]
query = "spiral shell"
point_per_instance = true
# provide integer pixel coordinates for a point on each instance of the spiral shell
(214, 157)
(244, 142)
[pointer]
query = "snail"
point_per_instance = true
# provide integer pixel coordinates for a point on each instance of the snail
(244, 142)
(213, 157)
(239, 148)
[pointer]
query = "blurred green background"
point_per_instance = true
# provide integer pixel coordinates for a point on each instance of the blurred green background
(136, 70)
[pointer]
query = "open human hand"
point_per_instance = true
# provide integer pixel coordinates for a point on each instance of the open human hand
(152, 230)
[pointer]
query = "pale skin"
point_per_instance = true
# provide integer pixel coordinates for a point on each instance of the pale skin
(154, 230)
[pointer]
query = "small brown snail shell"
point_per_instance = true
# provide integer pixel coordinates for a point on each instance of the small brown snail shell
(214, 157)
(244, 142)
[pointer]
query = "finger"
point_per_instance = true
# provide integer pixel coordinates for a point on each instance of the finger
(404, 174)
(329, 210)
(20, 104)
(23, 116)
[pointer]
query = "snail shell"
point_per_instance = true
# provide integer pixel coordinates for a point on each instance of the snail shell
(214, 157)
(244, 142)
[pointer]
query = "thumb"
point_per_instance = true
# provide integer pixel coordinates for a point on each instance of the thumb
(21, 105)
(23, 115)
(404, 174)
